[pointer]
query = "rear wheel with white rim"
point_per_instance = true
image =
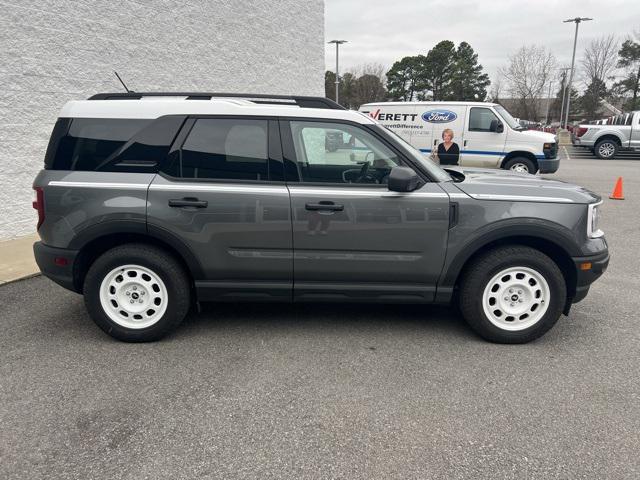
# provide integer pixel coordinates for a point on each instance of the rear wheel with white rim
(137, 292)
(512, 294)
(520, 165)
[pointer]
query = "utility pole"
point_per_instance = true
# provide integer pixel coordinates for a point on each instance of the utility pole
(564, 91)
(548, 101)
(338, 43)
(577, 21)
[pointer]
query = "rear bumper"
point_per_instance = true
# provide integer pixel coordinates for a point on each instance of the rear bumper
(51, 261)
(584, 278)
(548, 165)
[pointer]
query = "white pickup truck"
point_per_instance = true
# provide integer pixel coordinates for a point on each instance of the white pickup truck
(622, 132)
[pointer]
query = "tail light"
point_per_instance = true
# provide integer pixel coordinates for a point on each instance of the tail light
(38, 204)
(581, 131)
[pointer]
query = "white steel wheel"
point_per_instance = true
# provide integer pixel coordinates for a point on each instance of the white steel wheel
(133, 296)
(516, 298)
(606, 149)
(519, 167)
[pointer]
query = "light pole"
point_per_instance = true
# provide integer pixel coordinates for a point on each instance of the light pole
(338, 43)
(577, 21)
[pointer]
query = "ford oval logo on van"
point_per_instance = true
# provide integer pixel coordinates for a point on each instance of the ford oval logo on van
(439, 116)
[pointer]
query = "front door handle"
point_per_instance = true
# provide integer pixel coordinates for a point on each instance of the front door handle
(328, 206)
(464, 144)
(188, 202)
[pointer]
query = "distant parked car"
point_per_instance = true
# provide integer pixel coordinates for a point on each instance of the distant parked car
(605, 141)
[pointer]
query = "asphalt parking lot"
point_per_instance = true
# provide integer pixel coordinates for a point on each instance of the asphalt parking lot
(331, 391)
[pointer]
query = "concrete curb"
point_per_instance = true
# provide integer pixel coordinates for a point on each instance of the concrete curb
(16, 259)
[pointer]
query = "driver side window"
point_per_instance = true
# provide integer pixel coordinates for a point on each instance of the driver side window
(338, 153)
(480, 119)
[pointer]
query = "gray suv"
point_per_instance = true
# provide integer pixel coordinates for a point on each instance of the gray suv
(151, 202)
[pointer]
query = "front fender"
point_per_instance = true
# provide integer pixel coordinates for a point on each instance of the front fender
(504, 231)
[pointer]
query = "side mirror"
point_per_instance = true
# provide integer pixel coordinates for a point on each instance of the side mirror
(496, 126)
(403, 179)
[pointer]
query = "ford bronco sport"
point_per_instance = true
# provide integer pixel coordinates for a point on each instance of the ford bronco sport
(151, 202)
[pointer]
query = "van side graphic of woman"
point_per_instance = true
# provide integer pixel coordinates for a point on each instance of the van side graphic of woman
(448, 150)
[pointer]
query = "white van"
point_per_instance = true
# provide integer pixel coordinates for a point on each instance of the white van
(486, 134)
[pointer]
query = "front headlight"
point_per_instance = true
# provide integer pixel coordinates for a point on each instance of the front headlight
(593, 218)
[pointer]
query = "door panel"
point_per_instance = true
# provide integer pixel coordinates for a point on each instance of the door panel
(635, 132)
(380, 243)
(220, 204)
(352, 237)
(481, 147)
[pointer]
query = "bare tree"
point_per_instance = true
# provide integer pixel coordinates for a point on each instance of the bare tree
(600, 58)
(528, 74)
(495, 92)
(369, 84)
(598, 63)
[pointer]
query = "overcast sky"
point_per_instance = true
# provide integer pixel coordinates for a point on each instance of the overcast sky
(383, 31)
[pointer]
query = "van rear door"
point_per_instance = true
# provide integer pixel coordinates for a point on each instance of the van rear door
(482, 147)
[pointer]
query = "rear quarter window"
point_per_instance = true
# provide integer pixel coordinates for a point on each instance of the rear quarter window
(111, 145)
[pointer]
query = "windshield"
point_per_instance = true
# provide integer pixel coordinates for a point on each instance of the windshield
(437, 173)
(506, 116)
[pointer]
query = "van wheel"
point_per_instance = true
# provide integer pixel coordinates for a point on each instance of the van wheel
(512, 294)
(606, 149)
(520, 165)
(136, 292)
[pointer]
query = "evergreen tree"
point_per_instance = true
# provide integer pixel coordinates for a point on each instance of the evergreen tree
(436, 77)
(403, 79)
(590, 101)
(468, 82)
(629, 59)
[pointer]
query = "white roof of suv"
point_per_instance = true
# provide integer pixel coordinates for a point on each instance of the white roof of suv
(153, 107)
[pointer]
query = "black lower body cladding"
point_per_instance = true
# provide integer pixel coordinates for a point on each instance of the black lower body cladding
(56, 264)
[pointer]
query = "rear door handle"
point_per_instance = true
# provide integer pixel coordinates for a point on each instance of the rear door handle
(188, 202)
(328, 206)
(464, 144)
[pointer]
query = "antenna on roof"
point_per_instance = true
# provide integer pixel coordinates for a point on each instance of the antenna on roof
(125, 87)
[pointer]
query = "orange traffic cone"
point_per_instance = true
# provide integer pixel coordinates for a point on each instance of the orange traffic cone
(617, 191)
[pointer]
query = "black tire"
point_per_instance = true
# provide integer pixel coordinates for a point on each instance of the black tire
(477, 276)
(527, 163)
(606, 149)
(162, 264)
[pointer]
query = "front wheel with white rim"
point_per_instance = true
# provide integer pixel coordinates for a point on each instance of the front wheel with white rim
(512, 294)
(520, 165)
(136, 292)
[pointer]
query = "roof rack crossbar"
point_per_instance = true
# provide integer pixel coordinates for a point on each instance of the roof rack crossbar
(300, 100)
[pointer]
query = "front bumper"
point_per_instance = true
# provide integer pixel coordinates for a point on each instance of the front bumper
(585, 277)
(548, 165)
(56, 264)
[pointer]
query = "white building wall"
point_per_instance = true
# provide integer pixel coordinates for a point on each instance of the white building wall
(52, 51)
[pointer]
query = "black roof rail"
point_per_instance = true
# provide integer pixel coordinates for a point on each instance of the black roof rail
(301, 101)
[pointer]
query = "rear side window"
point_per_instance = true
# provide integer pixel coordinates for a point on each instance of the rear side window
(89, 142)
(111, 145)
(225, 149)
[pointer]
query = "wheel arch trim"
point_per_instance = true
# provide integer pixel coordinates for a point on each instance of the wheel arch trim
(534, 231)
(134, 231)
